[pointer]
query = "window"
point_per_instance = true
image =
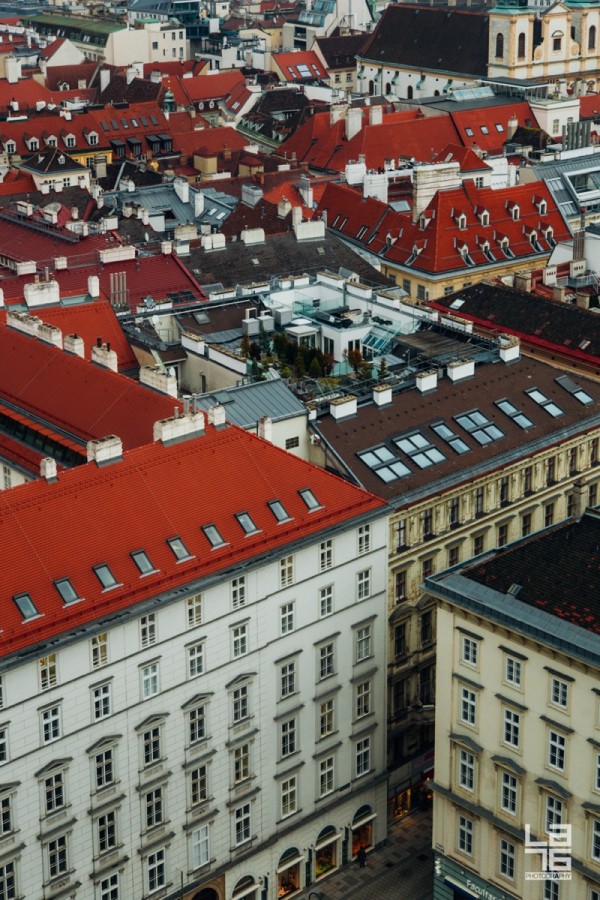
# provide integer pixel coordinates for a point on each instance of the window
(309, 498)
(326, 717)
(592, 38)
(400, 640)
(287, 735)
(420, 450)
(287, 679)
(556, 750)
(515, 414)
(54, 792)
(247, 523)
(363, 699)
(512, 728)
(508, 793)
(1, 692)
(148, 630)
(51, 724)
(454, 512)
(48, 674)
(151, 740)
(200, 844)
(286, 571)
(150, 680)
(526, 524)
(469, 651)
(104, 768)
(400, 531)
(400, 587)
(195, 660)
(363, 643)
(551, 470)
(156, 870)
(56, 857)
(238, 592)
(552, 891)
(427, 524)
(512, 671)
(279, 511)
(364, 539)
(521, 45)
(239, 637)
(325, 555)
(241, 818)
(478, 544)
(468, 706)
(107, 831)
(325, 601)
(503, 491)
(197, 724)
(240, 704)
(214, 536)
(142, 561)
(383, 462)
(553, 814)
(538, 397)
(289, 796)
(286, 619)
(6, 815)
(480, 427)
(507, 858)
(66, 590)
(426, 627)
(99, 647)
(193, 606)
(180, 551)
(241, 763)
(596, 839)
(559, 692)
(466, 770)
(3, 744)
(363, 584)
(465, 835)
(8, 881)
(556, 42)
(326, 776)
(479, 502)
(101, 701)
(453, 556)
(592, 495)
(502, 538)
(363, 756)
(499, 46)
(326, 660)
(199, 785)
(153, 804)
(106, 577)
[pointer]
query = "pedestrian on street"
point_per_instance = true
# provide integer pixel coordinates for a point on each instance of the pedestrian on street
(362, 857)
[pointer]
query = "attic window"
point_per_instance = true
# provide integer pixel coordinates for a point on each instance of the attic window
(514, 212)
(573, 388)
(384, 463)
(461, 220)
(180, 551)
(542, 207)
(421, 451)
(446, 434)
(245, 520)
(213, 535)
(499, 127)
(479, 427)
(515, 414)
(552, 408)
(105, 577)
(469, 132)
(361, 232)
(66, 590)
(142, 561)
(26, 606)
(279, 511)
(310, 499)
(484, 217)
(484, 129)
(10, 147)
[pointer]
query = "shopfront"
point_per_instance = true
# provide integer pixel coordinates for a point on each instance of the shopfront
(245, 889)
(362, 829)
(288, 873)
(327, 852)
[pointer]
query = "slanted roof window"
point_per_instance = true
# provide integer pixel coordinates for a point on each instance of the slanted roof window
(66, 590)
(310, 499)
(515, 414)
(245, 520)
(573, 388)
(549, 405)
(480, 427)
(421, 451)
(105, 577)
(26, 606)
(469, 132)
(383, 462)
(180, 551)
(279, 511)
(142, 561)
(446, 434)
(214, 536)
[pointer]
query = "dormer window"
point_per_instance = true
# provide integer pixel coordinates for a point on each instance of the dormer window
(542, 207)
(484, 217)
(50, 140)
(548, 233)
(423, 222)
(514, 211)
(461, 220)
(92, 138)
(69, 141)
(10, 147)
(32, 143)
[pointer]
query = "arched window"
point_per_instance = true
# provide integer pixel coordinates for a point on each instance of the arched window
(326, 851)
(362, 829)
(288, 872)
(592, 38)
(371, 87)
(409, 92)
(499, 46)
(557, 41)
(521, 46)
(388, 87)
(245, 889)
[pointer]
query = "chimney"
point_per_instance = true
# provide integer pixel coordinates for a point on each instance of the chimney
(354, 115)
(154, 377)
(510, 348)
(336, 113)
(105, 450)
(182, 189)
(343, 407)
(375, 115)
(170, 431)
(1, 298)
(296, 217)
(427, 381)
(216, 415)
(104, 356)
(306, 191)
(264, 428)
(382, 395)
(511, 127)
(94, 286)
(461, 369)
(48, 469)
(72, 343)
(199, 203)
(283, 208)
(50, 334)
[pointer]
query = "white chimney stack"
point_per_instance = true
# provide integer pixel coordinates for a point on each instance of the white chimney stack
(105, 450)
(265, 428)
(179, 428)
(73, 343)
(48, 468)
(216, 415)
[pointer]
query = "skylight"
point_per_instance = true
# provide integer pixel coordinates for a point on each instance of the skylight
(245, 520)
(421, 451)
(515, 414)
(180, 551)
(66, 590)
(279, 511)
(446, 434)
(213, 535)
(383, 462)
(26, 606)
(549, 405)
(573, 388)
(142, 561)
(105, 577)
(480, 427)
(310, 499)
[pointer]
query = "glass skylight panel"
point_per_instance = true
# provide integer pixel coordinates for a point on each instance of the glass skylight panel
(515, 414)
(26, 606)
(180, 551)
(479, 427)
(213, 535)
(549, 405)
(66, 590)
(105, 577)
(245, 520)
(310, 499)
(421, 451)
(383, 462)
(446, 434)
(279, 511)
(573, 388)
(142, 561)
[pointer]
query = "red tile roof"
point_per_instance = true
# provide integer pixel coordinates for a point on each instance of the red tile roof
(22, 243)
(226, 87)
(177, 67)
(100, 515)
(489, 124)
(20, 455)
(468, 160)
(300, 66)
(92, 321)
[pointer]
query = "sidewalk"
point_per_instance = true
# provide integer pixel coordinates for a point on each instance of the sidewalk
(393, 873)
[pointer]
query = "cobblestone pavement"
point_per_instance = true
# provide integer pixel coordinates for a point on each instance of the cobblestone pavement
(402, 869)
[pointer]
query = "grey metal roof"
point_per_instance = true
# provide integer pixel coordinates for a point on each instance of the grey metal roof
(245, 405)
(162, 197)
(552, 173)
